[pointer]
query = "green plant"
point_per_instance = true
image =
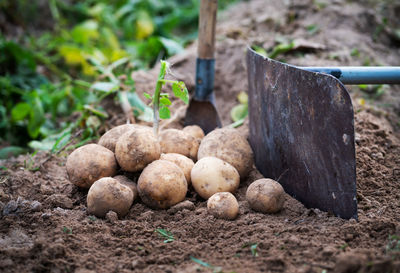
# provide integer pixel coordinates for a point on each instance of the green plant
(161, 101)
(169, 237)
(215, 269)
(393, 246)
(239, 112)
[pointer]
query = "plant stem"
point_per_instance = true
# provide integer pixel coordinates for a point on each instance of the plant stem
(156, 97)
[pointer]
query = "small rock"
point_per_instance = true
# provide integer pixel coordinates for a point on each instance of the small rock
(36, 206)
(84, 270)
(11, 208)
(46, 215)
(357, 138)
(137, 264)
(112, 216)
(181, 206)
(60, 200)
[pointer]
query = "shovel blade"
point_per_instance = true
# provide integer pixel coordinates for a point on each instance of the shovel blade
(203, 114)
(302, 133)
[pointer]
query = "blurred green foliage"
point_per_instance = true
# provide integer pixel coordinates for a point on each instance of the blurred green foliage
(71, 55)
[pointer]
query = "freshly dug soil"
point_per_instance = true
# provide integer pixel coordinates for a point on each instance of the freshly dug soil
(45, 227)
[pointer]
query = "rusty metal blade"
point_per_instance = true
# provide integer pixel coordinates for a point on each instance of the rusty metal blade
(302, 133)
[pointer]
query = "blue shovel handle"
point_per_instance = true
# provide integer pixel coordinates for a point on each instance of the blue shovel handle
(361, 74)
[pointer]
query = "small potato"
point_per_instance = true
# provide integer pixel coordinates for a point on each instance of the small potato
(177, 141)
(194, 130)
(90, 163)
(109, 139)
(223, 205)
(211, 175)
(136, 149)
(183, 162)
(230, 146)
(108, 194)
(129, 183)
(265, 195)
(162, 184)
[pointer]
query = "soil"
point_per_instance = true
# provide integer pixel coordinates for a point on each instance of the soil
(45, 227)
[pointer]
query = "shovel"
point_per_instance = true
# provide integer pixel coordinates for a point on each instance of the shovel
(301, 129)
(201, 110)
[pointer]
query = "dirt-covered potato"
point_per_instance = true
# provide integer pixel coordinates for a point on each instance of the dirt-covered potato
(162, 184)
(223, 205)
(90, 163)
(129, 183)
(109, 139)
(230, 146)
(211, 175)
(108, 194)
(265, 195)
(185, 163)
(194, 130)
(180, 142)
(136, 149)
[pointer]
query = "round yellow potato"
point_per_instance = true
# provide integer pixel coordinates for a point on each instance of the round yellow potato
(162, 184)
(230, 146)
(180, 142)
(136, 149)
(129, 183)
(265, 195)
(223, 205)
(108, 194)
(110, 138)
(194, 130)
(185, 163)
(211, 175)
(90, 163)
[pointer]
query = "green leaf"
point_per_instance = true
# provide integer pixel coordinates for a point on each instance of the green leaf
(86, 31)
(165, 101)
(165, 113)
(97, 112)
(10, 151)
(243, 98)
(239, 112)
(166, 234)
(20, 111)
(180, 91)
(148, 96)
(105, 86)
(36, 118)
(200, 262)
(171, 46)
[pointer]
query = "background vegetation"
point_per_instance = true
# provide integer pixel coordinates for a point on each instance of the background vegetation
(60, 58)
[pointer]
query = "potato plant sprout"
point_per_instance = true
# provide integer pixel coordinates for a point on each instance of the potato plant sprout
(161, 101)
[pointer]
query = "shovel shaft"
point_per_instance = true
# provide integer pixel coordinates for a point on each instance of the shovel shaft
(205, 65)
(361, 74)
(207, 21)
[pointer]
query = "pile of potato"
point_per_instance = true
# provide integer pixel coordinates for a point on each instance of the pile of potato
(212, 165)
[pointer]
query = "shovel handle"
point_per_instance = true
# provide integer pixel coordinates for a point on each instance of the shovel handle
(361, 74)
(207, 21)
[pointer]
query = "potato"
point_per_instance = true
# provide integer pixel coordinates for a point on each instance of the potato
(211, 175)
(107, 194)
(137, 148)
(129, 183)
(162, 184)
(177, 141)
(230, 146)
(223, 205)
(183, 162)
(109, 139)
(90, 163)
(265, 195)
(194, 130)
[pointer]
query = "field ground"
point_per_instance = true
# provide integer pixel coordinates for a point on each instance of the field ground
(44, 225)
